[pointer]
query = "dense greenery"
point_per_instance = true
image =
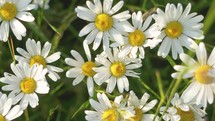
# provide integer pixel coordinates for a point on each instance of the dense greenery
(60, 26)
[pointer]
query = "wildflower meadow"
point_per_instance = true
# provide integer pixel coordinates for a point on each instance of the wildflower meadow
(107, 60)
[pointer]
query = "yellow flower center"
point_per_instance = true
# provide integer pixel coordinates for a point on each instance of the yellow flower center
(110, 115)
(2, 118)
(136, 38)
(117, 69)
(138, 115)
(87, 68)
(103, 22)
(38, 59)
(186, 115)
(8, 11)
(173, 29)
(201, 74)
(28, 85)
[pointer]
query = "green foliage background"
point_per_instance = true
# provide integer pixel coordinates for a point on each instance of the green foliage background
(60, 26)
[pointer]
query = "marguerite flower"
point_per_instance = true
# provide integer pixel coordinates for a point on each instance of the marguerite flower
(26, 82)
(115, 70)
(80, 69)
(105, 22)
(178, 29)
(10, 12)
(141, 36)
(181, 111)
(106, 110)
(170, 115)
(36, 54)
(41, 3)
(201, 90)
(7, 112)
(141, 107)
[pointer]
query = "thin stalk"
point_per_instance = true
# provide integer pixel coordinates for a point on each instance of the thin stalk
(162, 101)
(213, 114)
(26, 115)
(160, 85)
(170, 60)
(149, 89)
(209, 19)
(174, 89)
(11, 47)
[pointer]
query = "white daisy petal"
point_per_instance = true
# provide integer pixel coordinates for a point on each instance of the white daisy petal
(97, 41)
(78, 79)
(116, 36)
(25, 16)
(77, 56)
(90, 86)
(107, 4)
(18, 28)
(120, 85)
(116, 7)
(54, 57)
(15, 112)
(21, 4)
(46, 49)
(146, 23)
(201, 54)
(88, 28)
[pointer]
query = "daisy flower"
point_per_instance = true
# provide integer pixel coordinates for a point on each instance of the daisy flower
(106, 110)
(141, 36)
(181, 111)
(7, 112)
(170, 114)
(141, 107)
(201, 90)
(115, 70)
(80, 68)
(40, 3)
(10, 12)
(104, 22)
(37, 55)
(178, 29)
(26, 82)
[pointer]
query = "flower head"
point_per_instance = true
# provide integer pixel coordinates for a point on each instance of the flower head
(7, 112)
(141, 107)
(27, 81)
(141, 36)
(115, 69)
(178, 28)
(201, 90)
(37, 55)
(11, 11)
(181, 111)
(81, 69)
(105, 22)
(106, 110)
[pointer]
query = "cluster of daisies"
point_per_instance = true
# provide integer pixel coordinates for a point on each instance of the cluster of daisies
(30, 68)
(123, 42)
(123, 45)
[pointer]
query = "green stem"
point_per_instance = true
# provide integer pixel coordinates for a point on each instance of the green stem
(40, 15)
(26, 115)
(65, 24)
(162, 101)
(11, 47)
(209, 19)
(170, 60)
(213, 113)
(149, 89)
(160, 85)
(173, 90)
